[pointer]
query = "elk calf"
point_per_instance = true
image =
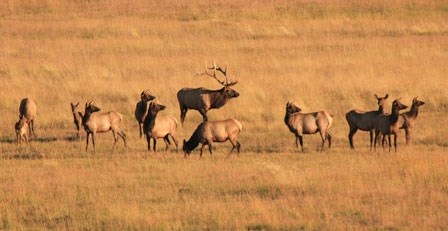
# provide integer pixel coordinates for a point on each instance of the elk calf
(363, 120)
(98, 122)
(77, 117)
(308, 123)
(21, 128)
(141, 109)
(28, 110)
(389, 124)
(202, 99)
(161, 126)
(216, 131)
(409, 118)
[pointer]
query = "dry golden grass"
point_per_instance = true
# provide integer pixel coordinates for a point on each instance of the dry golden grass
(331, 55)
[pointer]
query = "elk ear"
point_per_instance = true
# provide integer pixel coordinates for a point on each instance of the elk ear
(185, 142)
(77, 104)
(20, 116)
(376, 96)
(387, 95)
(72, 104)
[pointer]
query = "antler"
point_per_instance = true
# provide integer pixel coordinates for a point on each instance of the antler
(215, 68)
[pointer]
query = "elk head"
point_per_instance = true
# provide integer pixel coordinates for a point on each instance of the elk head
(146, 95)
(417, 103)
(381, 100)
(155, 107)
(74, 107)
(228, 91)
(292, 108)
(91, 107)
(398, 105)
(20, 123)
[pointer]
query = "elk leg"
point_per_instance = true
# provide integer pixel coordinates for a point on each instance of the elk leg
(238, 146)
(371, 139)
(233, 146)
(93, 141)
(376, 140)
(154, 143)
(301, 142)
(140, 129)
(210, 147)
(395, 142)
(329, 140)
(87, 140)
(390, 144)
(350, 137)
(123, 136)
(115, 139)
(408, 135)
(323, 136)
(167, 142)
(204, 114)
(200, 153)
(148, 140)
(175, 142)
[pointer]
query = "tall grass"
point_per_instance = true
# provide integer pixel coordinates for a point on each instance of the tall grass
(332, 55)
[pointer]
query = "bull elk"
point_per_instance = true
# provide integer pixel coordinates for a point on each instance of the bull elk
(389, 124)
(98, 122)
(216, 131)
(77, 117)
(409, 118)
(363, 120)
(141, 109)
(161, 126)
(28, 111)
(202, 99)
(308, 123)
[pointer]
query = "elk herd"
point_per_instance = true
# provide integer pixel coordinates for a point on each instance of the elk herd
(154, 126)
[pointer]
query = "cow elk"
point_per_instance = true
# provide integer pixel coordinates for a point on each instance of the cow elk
(308, 123)
(21, 128)
(363, 120)
(216, 131)
(389, 124)
(159, 126)
(77, 117)
(202, 99)
(99, 122)
(28, 110)
(141, 109)
(409, 118)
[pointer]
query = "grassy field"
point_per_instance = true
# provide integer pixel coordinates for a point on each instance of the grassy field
(332, 55)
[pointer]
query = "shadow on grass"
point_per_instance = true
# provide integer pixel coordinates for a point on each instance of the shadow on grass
(48, 139)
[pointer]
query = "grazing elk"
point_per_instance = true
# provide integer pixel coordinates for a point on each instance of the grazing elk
(216, 131)
(161, 126)
(389, 124)
(202, 99)
(308, 123)
(77, 117)
(409, 118)
(363, 120)
(98, 122)
(141, 109)
(21, 128)
(28, 110)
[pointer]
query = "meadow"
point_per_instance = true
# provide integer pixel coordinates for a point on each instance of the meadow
(332, 55)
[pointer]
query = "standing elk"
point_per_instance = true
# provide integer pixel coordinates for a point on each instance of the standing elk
(77, 117)
(389, 124)
(141, 109)
(28, 110)
(216, 131)
(98, 122)
(308, 123)
(21, 128)
(202, 99)
(363, 120)
(161, 126)
(409, 118)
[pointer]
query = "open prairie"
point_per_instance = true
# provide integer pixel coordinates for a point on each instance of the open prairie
(324, 55)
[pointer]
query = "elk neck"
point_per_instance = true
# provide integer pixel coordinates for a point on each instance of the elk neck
(393, 117)
(218, 98)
